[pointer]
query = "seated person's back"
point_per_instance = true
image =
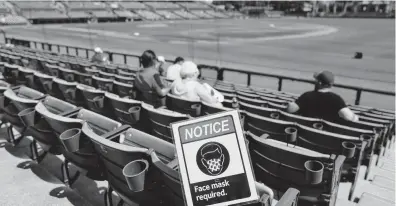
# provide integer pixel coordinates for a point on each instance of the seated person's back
(188, 86)
(322, 103)
(148, 84)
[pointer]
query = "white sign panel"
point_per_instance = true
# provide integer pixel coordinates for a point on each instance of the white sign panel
(213, 160)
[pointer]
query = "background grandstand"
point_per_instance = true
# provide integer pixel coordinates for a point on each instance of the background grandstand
(262, 63)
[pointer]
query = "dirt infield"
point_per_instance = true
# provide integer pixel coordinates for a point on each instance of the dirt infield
(293, 47)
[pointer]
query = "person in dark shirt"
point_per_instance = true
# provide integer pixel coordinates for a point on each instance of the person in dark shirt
(148, 85)
(322, 103)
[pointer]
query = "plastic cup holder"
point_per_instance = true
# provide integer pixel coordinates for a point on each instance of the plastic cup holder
(135, 174)
(28, 116)
(274, 115)
(134, 112)
(197, 108)
(291, 133)
(318, 125)
(313, 172)
(348, 149)
(71, 139)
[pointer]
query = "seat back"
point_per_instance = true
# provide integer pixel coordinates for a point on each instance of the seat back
(84, 78)
(123, 89)
(280, 166)
(126, 111)
(94, 99)
(125, 79)
(255, 102)
(68, 90)
(104, 83)
(183, 106)
(10, 73)
(160, 120)
(212, 109)
(115, 157)
(259, 110)
(24, 97)
(67, 74)
(25, 77)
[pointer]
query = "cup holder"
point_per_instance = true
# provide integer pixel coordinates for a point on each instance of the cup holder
(274, 115)
(134, 113)
(28, 116)
(291, 133)
(348, 149)
(135, 174)
(98, 101)
(318, 125)
(71, 139)
(313, 172)
(197, 108)
(367, 138)
(70, 93)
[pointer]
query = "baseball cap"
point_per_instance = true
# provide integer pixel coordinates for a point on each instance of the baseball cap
(161, 59)
(98, 50)
(324, 77)
(188, 68)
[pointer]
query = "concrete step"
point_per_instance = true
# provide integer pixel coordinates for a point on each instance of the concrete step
(381, 172)
(344, 202)
(372, 200)
(364, 186)
(384, 182)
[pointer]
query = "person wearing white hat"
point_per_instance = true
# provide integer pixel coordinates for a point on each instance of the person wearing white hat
(99, 56)
(189, 88)
(161, 63)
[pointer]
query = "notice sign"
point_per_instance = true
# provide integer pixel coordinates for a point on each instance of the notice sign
(213, 160)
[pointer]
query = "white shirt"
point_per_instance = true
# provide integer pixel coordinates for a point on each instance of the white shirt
(173, 72)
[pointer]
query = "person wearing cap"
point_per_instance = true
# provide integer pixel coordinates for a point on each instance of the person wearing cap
(99, 57)
(161, 63)
(173, 71)
(148, 85)
(322, 103)
(189, 88)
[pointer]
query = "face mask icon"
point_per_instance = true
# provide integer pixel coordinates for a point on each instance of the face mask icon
(212, 158)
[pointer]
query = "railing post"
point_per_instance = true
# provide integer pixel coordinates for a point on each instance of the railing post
(125, 59)
(67, 50)
(358, 95)
(249, 79)
(110, 57)
(280, 81)
(4, 36)
(76, 51)
(58, 48)
(220, 74)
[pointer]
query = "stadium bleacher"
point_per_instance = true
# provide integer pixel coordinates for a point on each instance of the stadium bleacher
(281, 145)
(39, 12)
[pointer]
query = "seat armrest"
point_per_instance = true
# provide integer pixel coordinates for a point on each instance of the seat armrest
(289, 198)
(116, 132)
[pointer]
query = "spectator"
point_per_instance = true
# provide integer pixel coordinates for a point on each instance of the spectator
(322, 103)
(148, 85)
(99, 57)
(189, 88)
(161, 61)
(173, 71)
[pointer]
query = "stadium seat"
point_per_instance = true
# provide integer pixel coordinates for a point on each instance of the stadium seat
(170, 175)
(279, 166)
(123, 89)
(38, 125)
(104, 84)
(126, 111)
(126, 73)
(94, 99)
(251, 101)
(67, 74)
(125, 79)
(160, 120)
(15, 100)
(84, 78)
(10, 73)
(183, 106)
(26, 77)
(67, 89)
(212, 109)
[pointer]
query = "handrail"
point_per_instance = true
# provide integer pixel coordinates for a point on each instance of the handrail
(220, 70)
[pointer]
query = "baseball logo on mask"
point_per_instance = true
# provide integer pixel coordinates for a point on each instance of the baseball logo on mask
(213, 158)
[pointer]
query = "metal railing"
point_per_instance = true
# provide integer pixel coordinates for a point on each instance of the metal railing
(219, 70)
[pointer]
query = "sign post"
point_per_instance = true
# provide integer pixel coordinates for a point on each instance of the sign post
(213, 160)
